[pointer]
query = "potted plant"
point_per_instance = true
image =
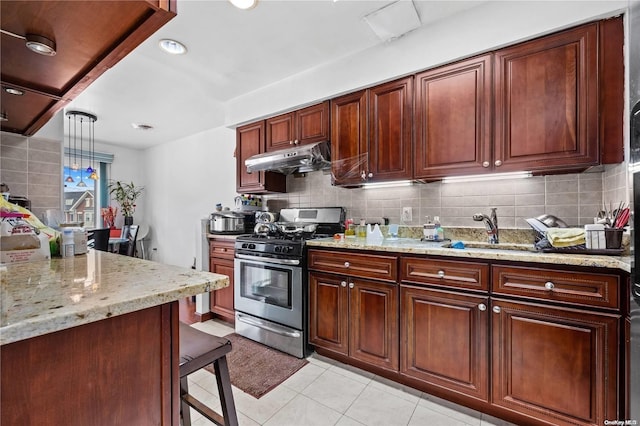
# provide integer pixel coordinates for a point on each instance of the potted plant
(126, 195)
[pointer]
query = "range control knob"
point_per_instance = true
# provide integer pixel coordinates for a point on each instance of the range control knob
(252, 246)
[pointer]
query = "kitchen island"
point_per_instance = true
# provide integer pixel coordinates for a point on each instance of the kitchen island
(93, 339)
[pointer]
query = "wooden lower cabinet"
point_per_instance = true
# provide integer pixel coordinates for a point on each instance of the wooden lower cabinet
(554, 364)
(533, 345)
(444, 339)
(221, 262)
(355, 317)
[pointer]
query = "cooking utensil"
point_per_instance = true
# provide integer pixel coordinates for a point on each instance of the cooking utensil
(622, 218)
(265, 228)
(227, 222)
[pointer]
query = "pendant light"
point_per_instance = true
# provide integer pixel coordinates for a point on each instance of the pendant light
(81, 184)
(69, 179)
(75, 166)
(93, 174)
(89, 119)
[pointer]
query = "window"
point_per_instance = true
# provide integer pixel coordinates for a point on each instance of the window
(79, 196)
(84, 197)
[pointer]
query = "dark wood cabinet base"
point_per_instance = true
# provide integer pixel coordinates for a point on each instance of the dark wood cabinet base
(120, 370)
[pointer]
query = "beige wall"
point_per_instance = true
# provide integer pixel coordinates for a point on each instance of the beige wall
(32, 168)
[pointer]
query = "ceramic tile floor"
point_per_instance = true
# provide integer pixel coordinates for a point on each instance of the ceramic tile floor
(326, 392)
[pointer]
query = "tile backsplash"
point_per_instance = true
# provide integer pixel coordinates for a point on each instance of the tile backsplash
(575, 198)
(32, 168)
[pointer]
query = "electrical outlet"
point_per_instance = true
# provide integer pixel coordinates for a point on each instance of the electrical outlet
(407, 214)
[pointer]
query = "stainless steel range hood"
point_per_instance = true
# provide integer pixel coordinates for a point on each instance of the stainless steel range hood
(299, 159)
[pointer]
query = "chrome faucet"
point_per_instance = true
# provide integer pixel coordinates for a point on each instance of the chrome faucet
(491, 223)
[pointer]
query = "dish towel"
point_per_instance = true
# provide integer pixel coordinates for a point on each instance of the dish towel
(565, 237)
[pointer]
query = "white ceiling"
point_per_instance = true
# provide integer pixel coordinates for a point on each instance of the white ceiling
(231, 52)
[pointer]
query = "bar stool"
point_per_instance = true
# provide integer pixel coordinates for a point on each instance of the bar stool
(197, 350)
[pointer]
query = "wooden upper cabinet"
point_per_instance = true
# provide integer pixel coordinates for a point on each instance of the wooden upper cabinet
(249, 142)
(108, 31)
(546, 103)
(372, 134)
(349, 138)
(307, 125)
(280, 131)
(453, 119)
(391, 131)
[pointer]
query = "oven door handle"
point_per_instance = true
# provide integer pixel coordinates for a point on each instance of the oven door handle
(268, 259)
(273, 328)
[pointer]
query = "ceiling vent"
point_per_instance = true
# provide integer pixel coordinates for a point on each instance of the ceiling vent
(393, 20)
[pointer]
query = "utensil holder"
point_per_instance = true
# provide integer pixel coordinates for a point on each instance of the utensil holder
(613, 238)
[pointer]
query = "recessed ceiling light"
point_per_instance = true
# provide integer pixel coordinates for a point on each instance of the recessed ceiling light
(244, 4)
(141, 126)
(172, 46)
(40, 45)
(13, 91)
(36, 43)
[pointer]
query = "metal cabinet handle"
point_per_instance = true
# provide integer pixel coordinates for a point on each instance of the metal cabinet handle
(343, 283)
(497, 309)
(296, 142)
(290, 142)
(363, 175)
(370, 175)
(440, 274)
(485, 164)
(482, 307)
(498, 163)
(350, 285)
(347, 264)
(549, 285)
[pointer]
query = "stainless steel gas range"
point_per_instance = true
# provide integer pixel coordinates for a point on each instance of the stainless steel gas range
(271, 277)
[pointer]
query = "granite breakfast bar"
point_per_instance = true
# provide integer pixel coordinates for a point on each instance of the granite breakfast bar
(93, 339)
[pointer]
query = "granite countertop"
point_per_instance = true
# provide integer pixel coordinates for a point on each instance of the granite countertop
(511, 252)
(222, 236)
(42, 297)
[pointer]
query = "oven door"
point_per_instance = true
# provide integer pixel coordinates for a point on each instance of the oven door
(269, 290)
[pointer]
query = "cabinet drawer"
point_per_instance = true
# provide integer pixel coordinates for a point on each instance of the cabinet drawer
(221, 248)
(447, 273)
(579, 288)
(355, 265)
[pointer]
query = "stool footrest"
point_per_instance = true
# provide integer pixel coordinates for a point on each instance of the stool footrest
(203, 409)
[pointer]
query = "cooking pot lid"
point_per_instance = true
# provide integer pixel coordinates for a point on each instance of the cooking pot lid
(227, 213)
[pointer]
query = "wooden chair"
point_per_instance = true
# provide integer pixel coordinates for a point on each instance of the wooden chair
(197, 350)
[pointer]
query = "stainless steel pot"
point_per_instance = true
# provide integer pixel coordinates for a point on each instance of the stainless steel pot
(295, 228)
(227, 222)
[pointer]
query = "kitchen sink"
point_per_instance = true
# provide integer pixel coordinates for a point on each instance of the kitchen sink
(500, 246)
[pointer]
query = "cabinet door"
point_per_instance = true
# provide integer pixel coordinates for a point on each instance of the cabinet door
(349, 159)
(547, 102)
(391, 131)
(444, 339)
(328, 312)
(280, 131)
(373, 320)
(312, 124)
(250, 140)
(559, 365)
(222, 300)
(453, 119)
